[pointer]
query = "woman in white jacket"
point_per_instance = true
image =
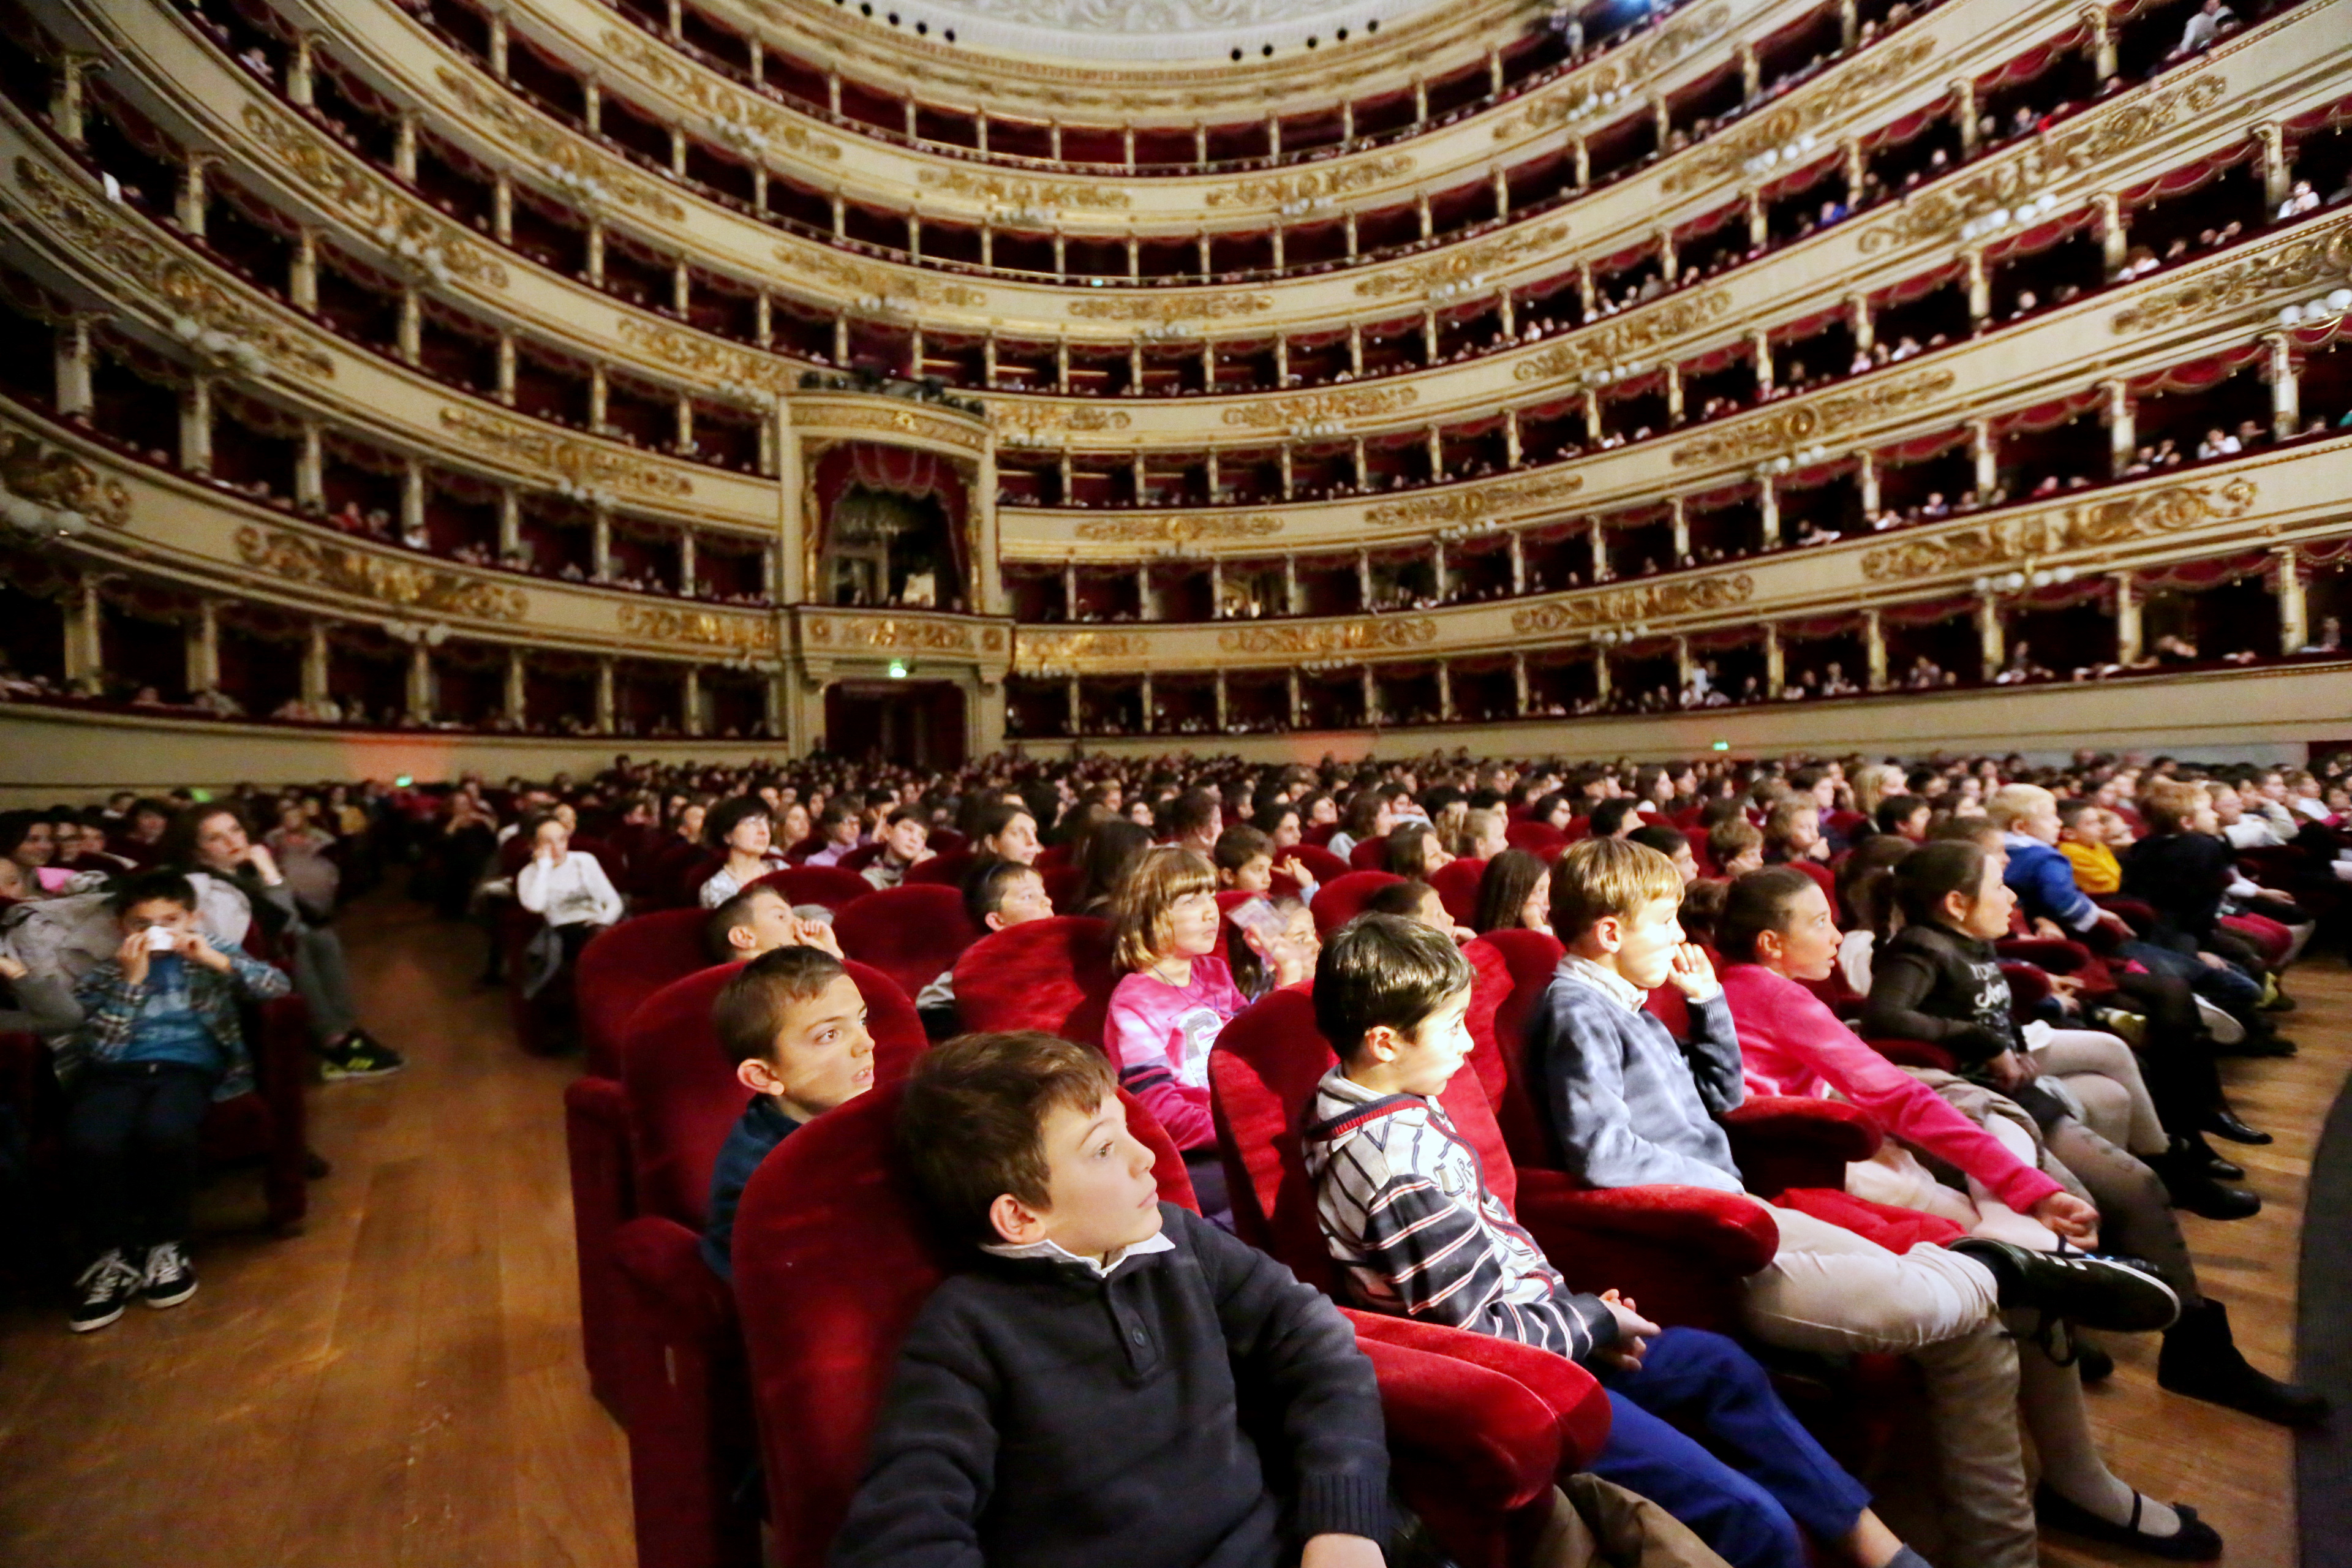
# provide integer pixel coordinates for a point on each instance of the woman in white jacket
(569, 889)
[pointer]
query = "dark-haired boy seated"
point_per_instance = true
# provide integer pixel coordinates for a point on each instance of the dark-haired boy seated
(1406, 1210)
(996, 894)
(793, 1023)
(1076, 1398)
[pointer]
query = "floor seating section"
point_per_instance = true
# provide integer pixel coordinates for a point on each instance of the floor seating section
(839, 1265)
(913, 933)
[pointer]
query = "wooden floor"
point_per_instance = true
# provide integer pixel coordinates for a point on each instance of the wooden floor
(401, 1385)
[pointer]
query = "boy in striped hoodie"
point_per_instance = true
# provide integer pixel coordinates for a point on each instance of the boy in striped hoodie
(1406, 1211)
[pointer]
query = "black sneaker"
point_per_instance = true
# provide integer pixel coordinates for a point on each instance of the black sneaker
(106, 1286)
(170, 1278)
(359, 1055)
(2095, 1292)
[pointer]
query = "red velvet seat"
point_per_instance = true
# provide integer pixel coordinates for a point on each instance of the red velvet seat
(683, 875)
(1051, 974)
(857, 859)
(831, 886)
(1062, 881)
(1456, 882)
(947, 841)
(678, 1348)
(833, 1264)
(1537, 837)
(1342, 899)
(1369, 855)
(1320, 863)
(912, 933)
(622, 966)
(945, 869)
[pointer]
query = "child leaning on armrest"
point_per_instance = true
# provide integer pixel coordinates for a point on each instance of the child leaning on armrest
(1406, 1210)
(1074, 1397)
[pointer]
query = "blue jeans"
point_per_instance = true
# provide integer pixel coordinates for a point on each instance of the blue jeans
(1776, 1477)
(2231, 989)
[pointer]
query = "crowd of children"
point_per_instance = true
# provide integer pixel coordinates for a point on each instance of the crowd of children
(2026, 975)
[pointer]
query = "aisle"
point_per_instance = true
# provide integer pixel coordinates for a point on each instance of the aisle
(401, 1384)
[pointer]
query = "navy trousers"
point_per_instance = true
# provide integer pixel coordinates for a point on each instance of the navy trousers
(1772, 1476)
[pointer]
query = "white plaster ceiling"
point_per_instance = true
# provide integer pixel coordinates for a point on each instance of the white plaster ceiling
(1131, 32)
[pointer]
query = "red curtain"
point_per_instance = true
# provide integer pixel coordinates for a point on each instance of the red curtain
(2196, 576)
(1917, 287)
(2045, 416)
(2180, 182)
(2196, 375)
(1919, 448)
(1927, 611)
(2042, 236)
(2024, 67)
(1806, 326)
(900, 471)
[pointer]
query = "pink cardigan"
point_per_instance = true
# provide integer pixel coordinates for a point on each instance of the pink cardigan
(1791, 1044)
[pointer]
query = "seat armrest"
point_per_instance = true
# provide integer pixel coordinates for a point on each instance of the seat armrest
(681, 1300)
(1915, 1054)
(1784, 1140)
(603, 1198)
(1680, 1251)
(2058, 955)
(1495, 1440)
(1576, 1397)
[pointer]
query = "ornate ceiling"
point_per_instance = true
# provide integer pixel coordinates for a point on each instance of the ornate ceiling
(1130, 31)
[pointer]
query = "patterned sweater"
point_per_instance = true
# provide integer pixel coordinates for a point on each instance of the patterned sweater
(1406, 1209)
(110, 1004)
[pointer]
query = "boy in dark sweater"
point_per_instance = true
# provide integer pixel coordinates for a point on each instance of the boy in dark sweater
(793, 1023)
(1077, 1398)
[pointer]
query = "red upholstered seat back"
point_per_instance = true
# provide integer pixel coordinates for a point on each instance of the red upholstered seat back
(1263, 1072)
(946, 868)
(1538, 837)
(1530, 956)
(1061, 881)
(832, 1260)
(687, 873)
(1369, 854)
(1456, 882)
(947, 841)
(1320, 863)
(683, 1094)
(1051, 974)
(1342, 899)
(911, 933)
(831, 886)
(865, 855)
(625, 965)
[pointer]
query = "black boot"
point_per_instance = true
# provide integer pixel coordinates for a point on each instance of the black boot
(2217, 1168)
(2200, 1359)
(2190, 1185)
(2222, 1122)
(2092, 1364)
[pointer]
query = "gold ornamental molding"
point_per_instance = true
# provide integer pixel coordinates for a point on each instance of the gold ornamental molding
(584, 463)
(1562, 102)
(1940, 213)
(412, 233)
(752, 124)
(582, 171)
(1176, 308)
(395, 583)
(2323, 256)
(2151, 514)
(712, 361)
(1616, 606)
(1312, 185)
(89, 228)
(1036, 650)
(745, 634)
(850, 633)
(870, 279)
(1178, 528)
(1474, 505)
(54, 477)
(905, 420)
(1009, 191)
(1347, 636)
(1796, 424)
(1355, 402)
(1035, 423)
(1827, 104)
(1459, 263)
(1620, 338)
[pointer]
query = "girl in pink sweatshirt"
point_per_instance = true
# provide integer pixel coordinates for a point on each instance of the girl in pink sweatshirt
(1174, 998)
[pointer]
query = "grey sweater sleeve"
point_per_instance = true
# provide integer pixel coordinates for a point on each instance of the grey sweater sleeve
(1583, 1044)
(1713, 1052)
(45, 1006)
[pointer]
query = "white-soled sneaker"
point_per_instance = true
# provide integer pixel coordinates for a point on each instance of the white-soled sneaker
(169, 1278)
(106, 1287)
(2225, 1029)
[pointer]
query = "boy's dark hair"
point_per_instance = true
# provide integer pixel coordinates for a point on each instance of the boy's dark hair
(1383, 969)
(729, 815)
(153, 886)
(1404, 898)
(985, 889)
(1897, 809)
(1935, 869)
(1610, 816)
(748, 1013)
(1657, 836)
(972, 1123)
(735, 911)
(1238, 845)
(1756, 903)
(1729, 839)
(836, 811)
(1269, 818)
(1190, 812)
(1702, 908)
(2072, 809)
(908, 814)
